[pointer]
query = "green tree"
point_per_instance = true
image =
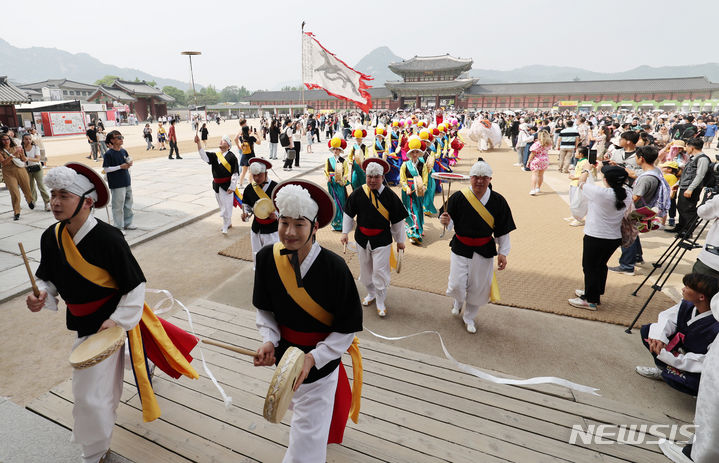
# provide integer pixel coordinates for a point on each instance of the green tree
(107, 80)
(291, 88)
(233, 93)
(151, 83)
(177, 94)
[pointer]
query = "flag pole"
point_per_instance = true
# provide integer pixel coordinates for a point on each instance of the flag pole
(302, 73)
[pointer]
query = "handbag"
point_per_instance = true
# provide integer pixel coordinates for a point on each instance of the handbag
(629, 227)
(33, 168)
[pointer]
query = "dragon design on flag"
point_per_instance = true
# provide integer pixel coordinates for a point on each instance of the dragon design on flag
(333, 73)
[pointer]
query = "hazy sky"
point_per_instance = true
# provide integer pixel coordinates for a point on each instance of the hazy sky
(257, 44)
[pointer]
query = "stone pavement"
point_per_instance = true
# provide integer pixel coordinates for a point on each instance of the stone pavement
(167, 195)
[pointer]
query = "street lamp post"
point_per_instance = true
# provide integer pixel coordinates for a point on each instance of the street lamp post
(190, 54)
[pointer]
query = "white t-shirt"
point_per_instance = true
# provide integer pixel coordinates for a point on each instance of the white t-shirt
(603, 219)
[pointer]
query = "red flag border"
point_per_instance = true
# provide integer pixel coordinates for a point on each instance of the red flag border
(363, 87)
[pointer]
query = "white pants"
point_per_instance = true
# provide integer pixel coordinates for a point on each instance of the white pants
(706, 449)
(312, 407)
(470, 281)
(225, 201)
(375, 272)
(97, 391)
(260, 240)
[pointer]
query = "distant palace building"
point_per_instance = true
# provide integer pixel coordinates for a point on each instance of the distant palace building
(443, 81)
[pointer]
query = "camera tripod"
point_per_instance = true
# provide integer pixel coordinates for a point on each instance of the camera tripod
(686, 240)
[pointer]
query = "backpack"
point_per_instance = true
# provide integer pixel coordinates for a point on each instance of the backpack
(662, 195)
(710, 180)
(686, 133)
(284, 139)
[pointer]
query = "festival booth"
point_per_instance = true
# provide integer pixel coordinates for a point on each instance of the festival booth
(53, 118)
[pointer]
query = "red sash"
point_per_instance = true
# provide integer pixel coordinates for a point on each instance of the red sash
(264, 221)
(371, 231)
(343, 394)
(80, 310)
(221, 180)
(474, 242)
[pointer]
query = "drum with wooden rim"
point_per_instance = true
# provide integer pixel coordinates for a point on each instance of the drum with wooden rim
(97, 347)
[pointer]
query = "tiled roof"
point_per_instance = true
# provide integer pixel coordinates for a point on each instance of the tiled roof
(431, 63)
(444, 85)
(59, 83)
(114, 93)
(136, 88)
(10, 94)
(678, 84)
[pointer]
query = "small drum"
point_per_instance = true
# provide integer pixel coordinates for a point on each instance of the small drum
(263, 208)
(339, 174)
(282, 385)
(97, 347)
(419, 186)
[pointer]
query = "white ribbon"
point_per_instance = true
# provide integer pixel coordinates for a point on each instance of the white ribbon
(486, 376)
(161, 310)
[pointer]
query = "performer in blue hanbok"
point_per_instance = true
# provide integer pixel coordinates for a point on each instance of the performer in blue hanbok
(393, 155)
(413, 179)
(337, 177)
(430, 156)
(356, 158)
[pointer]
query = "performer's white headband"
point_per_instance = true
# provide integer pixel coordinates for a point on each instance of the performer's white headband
(374, 169)
(226, 139)
(64, 178)
(295, 202)
(257, 168)
(480, 169)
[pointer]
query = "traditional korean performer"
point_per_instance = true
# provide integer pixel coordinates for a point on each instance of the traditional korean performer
(337, 172)
(413, 178)
(306, 297)
(482, 220)
(430, 159)
(256, 200)
(356, 157)
(380, 218)
(89, 264)
(225, 171)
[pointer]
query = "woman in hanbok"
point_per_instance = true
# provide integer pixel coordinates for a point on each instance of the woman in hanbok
(356, 158)
(413, 172)
(337, 175)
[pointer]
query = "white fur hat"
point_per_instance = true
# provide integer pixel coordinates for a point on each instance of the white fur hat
(480, 169)
(64, 178)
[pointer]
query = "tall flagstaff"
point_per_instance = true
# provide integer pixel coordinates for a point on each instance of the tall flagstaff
(302, 84)
(190, 54)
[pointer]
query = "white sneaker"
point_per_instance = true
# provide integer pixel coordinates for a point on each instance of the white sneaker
(471, 327)
(673, 452)
(516, 164)
(367, 300)
(649, 372)
(533, 192)
(455, 310)
(579, 292)
(576, 223)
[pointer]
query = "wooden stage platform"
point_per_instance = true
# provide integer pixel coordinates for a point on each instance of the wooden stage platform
(416, 408)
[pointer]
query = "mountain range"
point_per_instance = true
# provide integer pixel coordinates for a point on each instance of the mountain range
(376, 62)
(20, 65)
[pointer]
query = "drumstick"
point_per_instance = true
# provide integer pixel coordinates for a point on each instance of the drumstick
(35, 289)
(239, 350)
(344, 248)
(444, 209)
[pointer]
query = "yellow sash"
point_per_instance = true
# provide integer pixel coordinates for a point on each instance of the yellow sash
(479, 207)
(90, 272)
(221, 159)
(385, 213)
(101, 277)
(487, 217)
(259, 191)
(306, 303)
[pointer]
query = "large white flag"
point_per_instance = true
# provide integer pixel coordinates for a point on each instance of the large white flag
(322, 69)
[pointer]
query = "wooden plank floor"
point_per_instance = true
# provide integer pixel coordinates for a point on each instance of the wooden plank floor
(415, 408)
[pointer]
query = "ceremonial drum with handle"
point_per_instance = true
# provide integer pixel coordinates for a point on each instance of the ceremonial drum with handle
(97, 347)
(263, 208)
(282, 385)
